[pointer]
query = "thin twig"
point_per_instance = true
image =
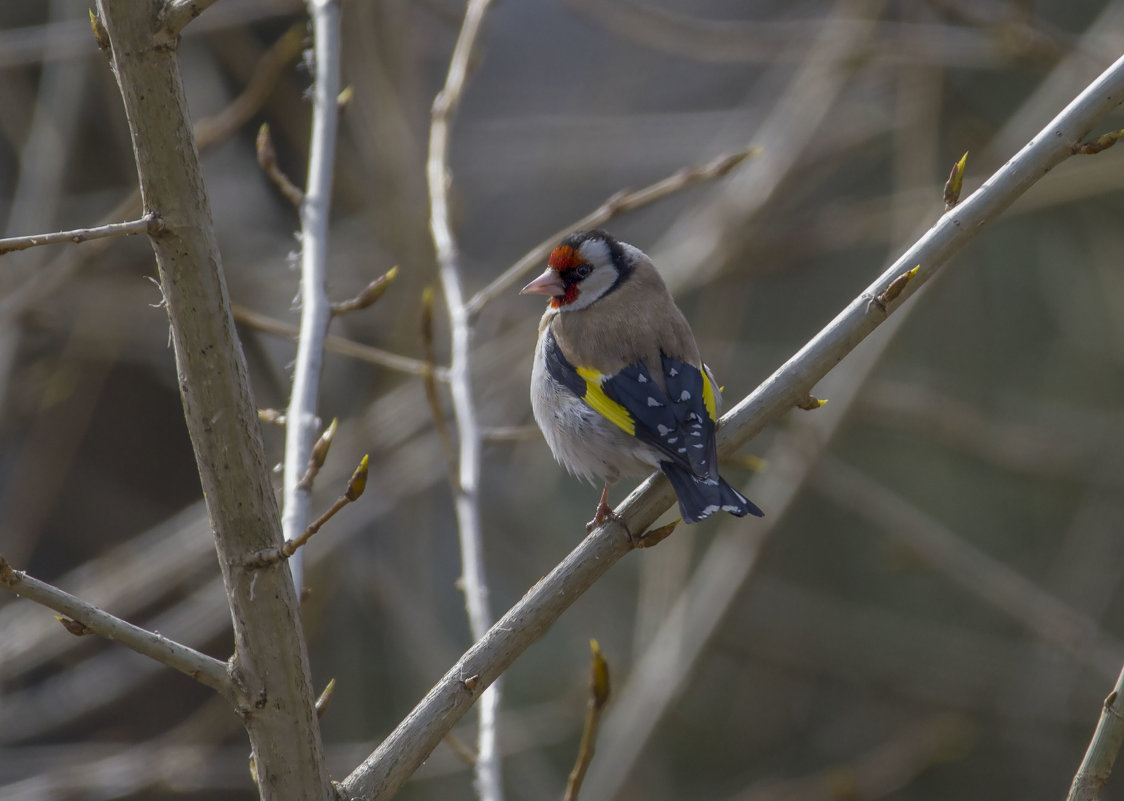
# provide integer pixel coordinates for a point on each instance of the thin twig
(316, 313)
(619, 203)
(204, 669)
(319, 453)
(368, 295)
(267, 160)
(337, 344)
(175, 17)
(271, 556)
(148, 224)
(598, 697)
(489, 784)
(325, 698)
(404, 749)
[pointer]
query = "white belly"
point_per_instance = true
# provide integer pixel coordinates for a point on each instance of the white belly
(583, 441)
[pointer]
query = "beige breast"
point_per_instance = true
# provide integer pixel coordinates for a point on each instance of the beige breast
(633, 323)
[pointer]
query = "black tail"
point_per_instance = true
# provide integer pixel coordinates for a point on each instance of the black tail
(699, 498)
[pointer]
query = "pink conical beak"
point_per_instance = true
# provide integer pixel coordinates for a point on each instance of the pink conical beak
(549, 283)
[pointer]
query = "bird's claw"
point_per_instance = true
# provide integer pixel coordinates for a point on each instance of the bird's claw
(604, 512)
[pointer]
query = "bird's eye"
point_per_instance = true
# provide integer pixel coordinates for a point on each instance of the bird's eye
(582, 271)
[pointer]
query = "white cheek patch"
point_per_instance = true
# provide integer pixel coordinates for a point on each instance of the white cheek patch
(595, 253)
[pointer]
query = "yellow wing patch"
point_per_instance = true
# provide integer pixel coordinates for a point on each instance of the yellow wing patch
(608, 408)
(709, 395)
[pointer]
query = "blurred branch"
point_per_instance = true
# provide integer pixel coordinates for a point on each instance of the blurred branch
(1063, 449)
(337, 344)
(200, 667)
(699, 243)
(986, 578)
(769, 41)
(1096, 766)
(619, 203)
(429, 380)
(881, 772)
(267, 160)
(316, 312)
(489, 782)
(670, 656)
(407, 746)
(270, 660)
(598, 697)
(210, 131)
(148, 224)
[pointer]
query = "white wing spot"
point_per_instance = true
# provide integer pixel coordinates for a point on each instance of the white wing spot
(672, 440)
(682, 450)
(685, 396)
(672, 372)
(641, 378)
(697, 445)
(664, 430)
(653, 402)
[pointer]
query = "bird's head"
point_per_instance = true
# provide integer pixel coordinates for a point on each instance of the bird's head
(585, 267)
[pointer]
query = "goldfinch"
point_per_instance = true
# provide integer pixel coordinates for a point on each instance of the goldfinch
(617, 386)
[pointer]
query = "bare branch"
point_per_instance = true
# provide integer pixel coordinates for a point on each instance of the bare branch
(148, 224)
(489, 784)
(1099, 758)
(382, 773)
(316, 313)
(270, 660)
(204, 669)
(619, 203)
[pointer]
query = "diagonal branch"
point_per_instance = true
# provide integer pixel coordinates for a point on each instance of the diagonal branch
(400, 754)
(1096, 766)
(489, 784)
(204, 669)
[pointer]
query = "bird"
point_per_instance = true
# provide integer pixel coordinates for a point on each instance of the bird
(617, 384)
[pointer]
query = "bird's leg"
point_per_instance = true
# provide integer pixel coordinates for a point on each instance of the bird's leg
(604, 511)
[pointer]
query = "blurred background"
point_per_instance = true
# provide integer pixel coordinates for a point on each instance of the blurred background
(930, 609)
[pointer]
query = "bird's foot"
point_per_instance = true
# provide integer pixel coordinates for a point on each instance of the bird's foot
(604, 512)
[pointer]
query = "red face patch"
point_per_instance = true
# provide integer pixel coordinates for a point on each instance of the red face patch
(562, 258)
(571, 295)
